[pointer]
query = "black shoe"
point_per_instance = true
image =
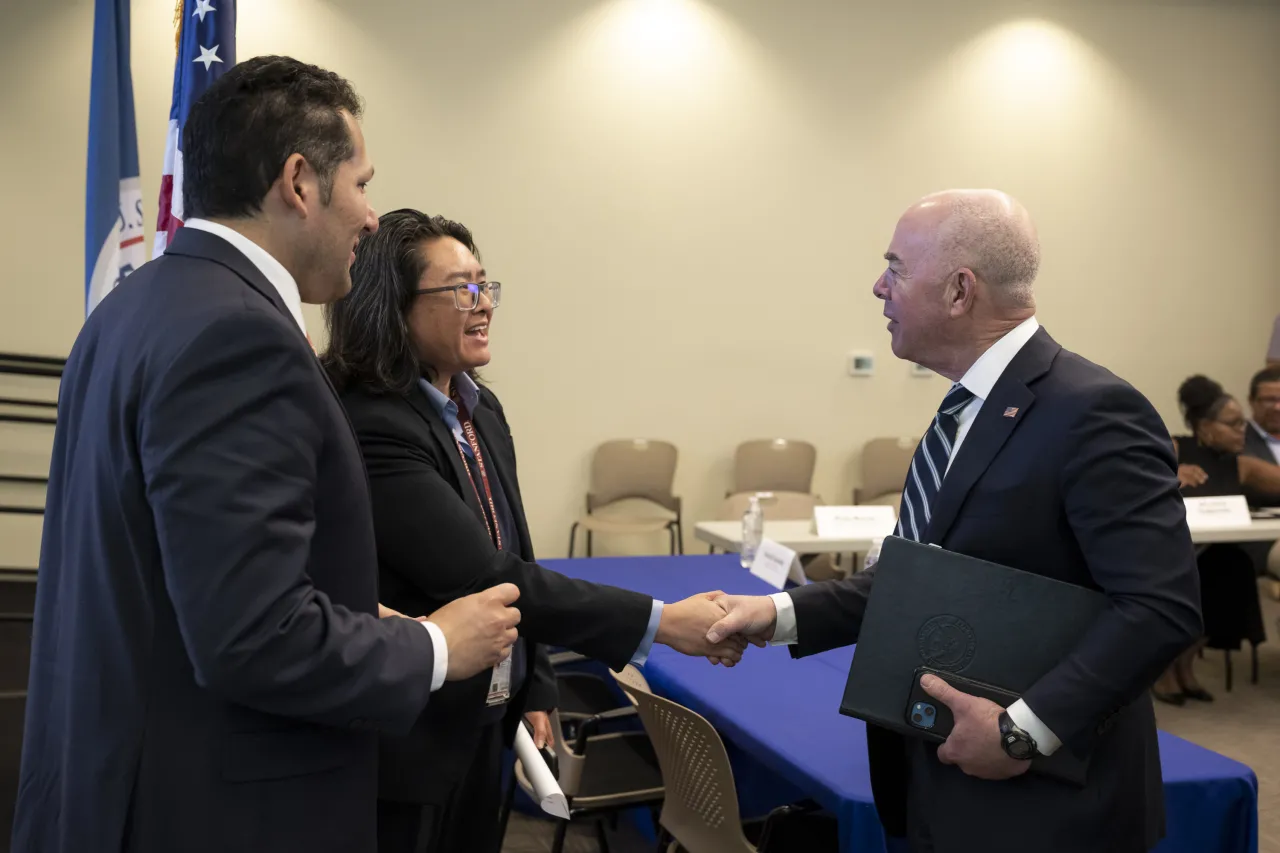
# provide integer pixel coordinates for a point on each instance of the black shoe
(1176, 699)
(1199, 694)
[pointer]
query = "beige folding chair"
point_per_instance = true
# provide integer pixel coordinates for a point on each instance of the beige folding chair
(773, 465)
(631, 492)
(786, 506)
(601, 774)
(884, 463)
(701, 807)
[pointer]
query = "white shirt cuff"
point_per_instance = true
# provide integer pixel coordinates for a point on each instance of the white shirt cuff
(784, 631)
(1024, 718)
(646, 642)
(441, 666)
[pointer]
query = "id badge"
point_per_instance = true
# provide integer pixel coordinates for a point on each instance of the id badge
(500, 684)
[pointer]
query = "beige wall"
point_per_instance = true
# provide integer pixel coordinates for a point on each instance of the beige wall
(688, 202)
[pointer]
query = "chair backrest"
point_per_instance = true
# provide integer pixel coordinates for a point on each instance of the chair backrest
(777, 506)
(885, 462)
(773, 465)
(701, 805)
(633, 468)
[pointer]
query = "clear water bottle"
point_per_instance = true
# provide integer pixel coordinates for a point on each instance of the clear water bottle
(752, 531)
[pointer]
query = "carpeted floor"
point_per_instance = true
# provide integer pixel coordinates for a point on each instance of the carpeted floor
(1243, 724)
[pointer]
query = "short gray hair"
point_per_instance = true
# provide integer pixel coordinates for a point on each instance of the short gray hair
(993, 235)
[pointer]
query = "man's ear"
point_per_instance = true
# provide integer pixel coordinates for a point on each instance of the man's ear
(963, 289)
(296, 184)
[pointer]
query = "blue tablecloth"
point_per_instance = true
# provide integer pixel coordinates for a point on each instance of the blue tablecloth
(783, 714)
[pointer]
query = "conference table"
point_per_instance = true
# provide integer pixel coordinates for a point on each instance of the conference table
(800, 536)
(780, 721)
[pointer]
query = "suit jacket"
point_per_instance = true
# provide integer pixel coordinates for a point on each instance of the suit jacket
(208, 670)
(1256, 446)
(433, 547)
(1080, 486)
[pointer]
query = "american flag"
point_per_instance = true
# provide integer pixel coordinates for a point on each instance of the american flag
(206, 49)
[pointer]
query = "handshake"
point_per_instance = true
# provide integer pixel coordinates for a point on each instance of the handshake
(481, 628)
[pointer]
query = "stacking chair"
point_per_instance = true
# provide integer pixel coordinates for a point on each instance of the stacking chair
(601, 774)
(885, 462)
(631, 492)
(700, 813)
(773, 465)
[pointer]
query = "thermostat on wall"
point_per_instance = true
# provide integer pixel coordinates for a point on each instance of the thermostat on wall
(861, 363)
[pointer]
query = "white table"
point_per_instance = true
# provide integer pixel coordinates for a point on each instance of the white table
(799, 536)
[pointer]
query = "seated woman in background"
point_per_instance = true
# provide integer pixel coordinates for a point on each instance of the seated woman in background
(1210, 465)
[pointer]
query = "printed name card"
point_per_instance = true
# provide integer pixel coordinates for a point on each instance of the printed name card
(1217, 513)
(775, 563)
(854, 522)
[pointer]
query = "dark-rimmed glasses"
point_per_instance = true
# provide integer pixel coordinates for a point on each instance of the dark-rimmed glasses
(466, 296)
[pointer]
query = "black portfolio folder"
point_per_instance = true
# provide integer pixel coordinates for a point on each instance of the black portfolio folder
(936, 610)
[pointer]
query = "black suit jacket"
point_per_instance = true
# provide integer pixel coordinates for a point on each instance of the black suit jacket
(1079, 486)
(208, 669)
(433, 547)
(1256, 446)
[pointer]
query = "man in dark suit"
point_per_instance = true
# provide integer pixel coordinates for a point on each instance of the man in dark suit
(1262, 441)
(209, 670)
(449, 519)
(1040, 460)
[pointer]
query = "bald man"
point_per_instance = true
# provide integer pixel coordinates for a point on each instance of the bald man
(1040, 460)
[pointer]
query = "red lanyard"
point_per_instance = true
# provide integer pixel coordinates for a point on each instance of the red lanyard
(469, 430)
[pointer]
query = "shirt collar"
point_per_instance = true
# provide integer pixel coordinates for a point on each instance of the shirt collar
(272, 269)
(986, 371)
(1274, 439)
(463, 384)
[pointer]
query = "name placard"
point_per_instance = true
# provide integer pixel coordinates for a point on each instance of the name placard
(854, 522)
(1217, 513)
(775, 563)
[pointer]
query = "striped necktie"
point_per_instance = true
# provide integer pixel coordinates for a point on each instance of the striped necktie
(929, 466)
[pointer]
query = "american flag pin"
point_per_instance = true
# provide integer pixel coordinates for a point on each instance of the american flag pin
(1011, 412)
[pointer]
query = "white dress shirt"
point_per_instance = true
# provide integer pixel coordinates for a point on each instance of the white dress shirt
(285, 285)
(979, 379)
(1273, 441)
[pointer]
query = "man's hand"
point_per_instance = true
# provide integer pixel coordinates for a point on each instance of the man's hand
(684, 626)
(479, 629)
(542, 733)
(753, 617)
(974, 743)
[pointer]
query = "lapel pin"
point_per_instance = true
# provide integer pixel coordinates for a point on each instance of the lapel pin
(1011, 412)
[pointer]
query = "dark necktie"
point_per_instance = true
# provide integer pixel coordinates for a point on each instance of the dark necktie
(929, 466)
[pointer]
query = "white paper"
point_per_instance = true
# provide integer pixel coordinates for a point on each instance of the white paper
(545, 787)
(1217, 513)
(773, 563)
(854, 522)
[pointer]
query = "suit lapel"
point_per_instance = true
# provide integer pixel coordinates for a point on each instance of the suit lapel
(1001, 413)
(448, 448)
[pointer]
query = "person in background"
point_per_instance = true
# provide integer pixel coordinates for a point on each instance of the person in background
(1043, 461)
(1211, 464)
(208, 668)
(1262, 441)
(449, 520)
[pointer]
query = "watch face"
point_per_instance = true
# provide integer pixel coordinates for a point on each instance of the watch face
(1016, 747)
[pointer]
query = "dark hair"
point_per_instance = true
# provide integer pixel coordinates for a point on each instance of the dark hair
(1200, 399)
(1266, 374)
(241, 131)
(369, 340)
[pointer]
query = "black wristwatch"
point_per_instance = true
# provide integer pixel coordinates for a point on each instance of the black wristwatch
(1016, 742)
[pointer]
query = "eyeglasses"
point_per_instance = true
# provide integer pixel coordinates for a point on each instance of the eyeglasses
(1267, 402)
(1235, 425)
(466, 297)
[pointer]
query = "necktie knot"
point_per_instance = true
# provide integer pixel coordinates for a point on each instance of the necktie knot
(957, 398)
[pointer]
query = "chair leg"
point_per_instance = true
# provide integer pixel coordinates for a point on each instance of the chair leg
(679, 538)
(671, 534)
(1226, 654)
(588, 543)
(557, 845)
(1253, 663)
(602, 837)
(573, 533)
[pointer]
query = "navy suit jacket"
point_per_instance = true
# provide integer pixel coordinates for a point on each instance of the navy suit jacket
(1080, 485)
(208, 670)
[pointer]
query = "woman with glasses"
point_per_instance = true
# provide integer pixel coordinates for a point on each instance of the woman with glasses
(1210, 464)
(404, 346)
